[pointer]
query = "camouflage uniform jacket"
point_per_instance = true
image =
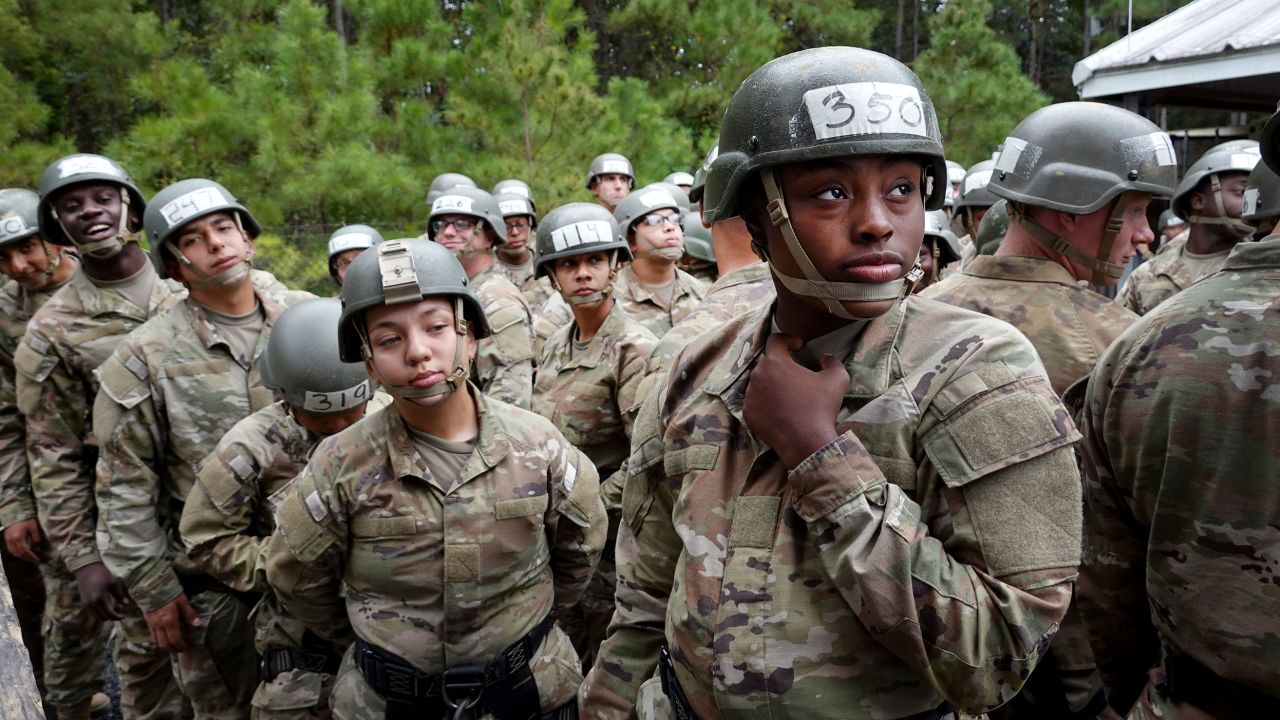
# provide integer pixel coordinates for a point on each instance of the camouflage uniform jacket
(1069, 325)
(440, 578)
(593, 396)
(170, 392)
(640, 304)
(550, 317)
(17, 502)
(68, 338)
(925, 555)
(228, 516)
(504, 360)
(535, 290)
(740, 291)
(1182, 529)
(1160, 278)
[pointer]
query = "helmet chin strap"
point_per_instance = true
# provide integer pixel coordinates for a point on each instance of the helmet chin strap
(653, 252)
(224, 278)
(107, 248)
(832, 294)
(1102, 269)
(1235, 226)
(457, 377)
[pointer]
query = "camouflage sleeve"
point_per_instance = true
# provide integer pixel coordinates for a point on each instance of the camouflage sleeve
(504, 360)
(304, 558)
(634, 363)
(553, 315)
(1113, 590)
(126, 422)
(579, 528)
(55, 404)
(647, 551)
(1128, 293)
(218, 516)
(974, 614)
(17, 502)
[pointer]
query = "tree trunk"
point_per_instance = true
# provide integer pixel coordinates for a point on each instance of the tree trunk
(19, 698)
(897, 35)
(1033, 53)
(1087, 44)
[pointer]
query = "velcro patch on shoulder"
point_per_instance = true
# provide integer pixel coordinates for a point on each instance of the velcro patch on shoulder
(306, 537)
(694, 457)
(505, 315)
(124, 380)
(755, 519)
(32, 363)
(998, 429)
(522, 507)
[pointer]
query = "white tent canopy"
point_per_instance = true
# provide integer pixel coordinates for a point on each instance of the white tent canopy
(1209, 53)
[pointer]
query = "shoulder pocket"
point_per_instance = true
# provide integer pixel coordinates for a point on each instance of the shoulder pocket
(124, 378)
(997, 429)
(32, 363)
(300, 519)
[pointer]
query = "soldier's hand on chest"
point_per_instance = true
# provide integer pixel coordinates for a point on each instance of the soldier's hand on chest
(789, 407)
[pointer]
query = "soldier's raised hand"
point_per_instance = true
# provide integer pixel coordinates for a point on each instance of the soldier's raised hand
(789, 407)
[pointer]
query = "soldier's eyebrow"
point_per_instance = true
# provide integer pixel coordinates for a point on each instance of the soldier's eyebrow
(427, 312)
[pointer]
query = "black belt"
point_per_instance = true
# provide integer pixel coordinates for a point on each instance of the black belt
(1193, 683)
(684, 711)
(193, 585)
(505, 684)
(315, 656)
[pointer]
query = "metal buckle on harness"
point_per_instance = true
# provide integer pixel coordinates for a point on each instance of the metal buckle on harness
(466, 683)
(399, 276)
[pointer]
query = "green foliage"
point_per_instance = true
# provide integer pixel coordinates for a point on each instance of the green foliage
(974, 80)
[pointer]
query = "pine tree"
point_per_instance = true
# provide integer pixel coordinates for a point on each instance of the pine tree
(975, 81)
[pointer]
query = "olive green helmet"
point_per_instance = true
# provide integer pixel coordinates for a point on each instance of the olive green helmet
(446, 181)
(350, 237)
(1270, 143)
(187, 200)
(406, 271)
(1234, 156)
(79, 169)
(814, 104)
(512, 186)
(610, 164)
(973, 188)
(19, 215)
(302, 363)
(700, 177)
(676, 192)
(1262, 197)
(640, 203)
(1075, 157)
(679, 178)
(575, 229)
(992, 229)
(946, 248)
(515, 205)
(470, 201)
(697, 238)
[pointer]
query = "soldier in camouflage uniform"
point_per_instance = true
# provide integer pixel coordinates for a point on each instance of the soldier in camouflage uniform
(514, 256)
(939, 249)
(1210, 198)
(992, 228)
(1182, 518)
(345, 244)
(699, 256)
(589, 378)
(228, 517)
(35, 269)
(610, 179)
(169, 393)
(90, 202)
(1078, 180)
(849, 503)
(651, 288)
(457, 524)
(468, 223)
(971, 205)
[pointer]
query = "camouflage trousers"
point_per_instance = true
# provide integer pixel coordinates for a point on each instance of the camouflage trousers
(75, 640)
(294, 695)
(558, 681)
(218, 672)
(26, 585)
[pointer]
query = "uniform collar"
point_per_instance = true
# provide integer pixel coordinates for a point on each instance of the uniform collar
(755, 272)
(613, 326)
(869, 365)
(1019, 268)
(1264, 253)
(208, 333)
(491, 446)
(100, 301)
(632, 289)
